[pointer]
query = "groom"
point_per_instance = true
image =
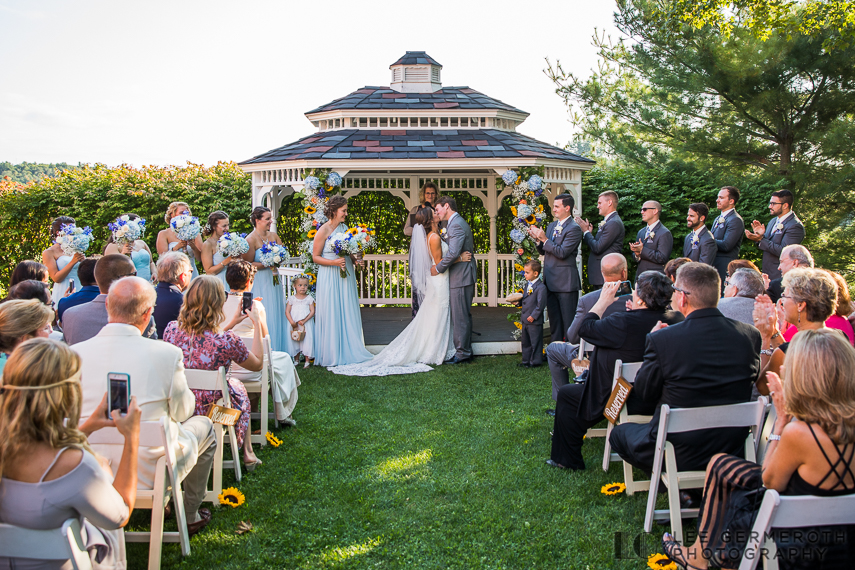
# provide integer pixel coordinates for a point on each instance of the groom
(461, 277)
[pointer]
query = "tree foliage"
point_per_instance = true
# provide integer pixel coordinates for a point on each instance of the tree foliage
(29, 171)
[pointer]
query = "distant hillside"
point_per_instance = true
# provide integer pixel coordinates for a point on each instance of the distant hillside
(27, 171)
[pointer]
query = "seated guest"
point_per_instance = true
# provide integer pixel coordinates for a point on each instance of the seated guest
(30, 289)
(672, 266)
(560, 355)
(174, 271)
(87, 288)
(159, 385)
(29, 269)
(792, 256)
(739, 292)
(808, 300)
(707, 360)
(85, 321)
(22, 320)
(49, 472)
(617, 337)
(840, 319)
(741, 264)
(240, 275)
(208, 344)
(810, 453)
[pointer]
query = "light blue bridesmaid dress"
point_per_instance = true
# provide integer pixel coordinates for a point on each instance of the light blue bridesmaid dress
(58, 291)
(218, 258)
(338, 324)
(142, 261)
(189, 251)
(273, 299)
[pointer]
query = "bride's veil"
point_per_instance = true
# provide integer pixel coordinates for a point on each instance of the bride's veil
(420, 261)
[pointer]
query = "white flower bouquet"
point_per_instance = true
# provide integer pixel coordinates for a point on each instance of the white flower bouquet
(186, 227)
(72, 239)
(232, 244)
(354, 241)
(126, 230)
(273, 255)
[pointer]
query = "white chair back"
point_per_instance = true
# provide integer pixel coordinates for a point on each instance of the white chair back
(64, 543)
(216, 380)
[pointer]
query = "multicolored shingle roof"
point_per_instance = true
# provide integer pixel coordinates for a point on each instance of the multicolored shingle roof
(386, 99)
(416, 58)
(357, 144)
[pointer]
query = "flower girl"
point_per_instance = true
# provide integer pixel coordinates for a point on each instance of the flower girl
(300, 311)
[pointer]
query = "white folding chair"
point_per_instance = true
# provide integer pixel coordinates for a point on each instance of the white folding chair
(261, 387)
(791, 512)
(583, 348)
(64, 543)
(216, 380)
(763, 441)
(166, 486)
(628, 371)
(749, 414)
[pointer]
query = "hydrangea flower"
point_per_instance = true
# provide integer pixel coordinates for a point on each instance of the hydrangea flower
(509, 177)
(517, 236)
(333, 179)
(524, 211)
(312, 182)
(535, 182)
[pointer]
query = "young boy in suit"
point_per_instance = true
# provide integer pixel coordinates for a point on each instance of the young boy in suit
(533, 303)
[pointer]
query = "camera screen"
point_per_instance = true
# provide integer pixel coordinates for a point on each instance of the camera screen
(119, 395)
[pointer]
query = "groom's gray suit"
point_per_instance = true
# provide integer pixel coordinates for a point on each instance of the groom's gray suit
(461, 281)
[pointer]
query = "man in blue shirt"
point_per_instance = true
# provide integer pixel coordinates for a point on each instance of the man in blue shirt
(174, 272)
(87, 289)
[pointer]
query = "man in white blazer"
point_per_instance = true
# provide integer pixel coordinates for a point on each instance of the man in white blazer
(157, 379)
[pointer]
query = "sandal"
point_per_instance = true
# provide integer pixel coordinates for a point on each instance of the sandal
(674, 551)
(251, 465)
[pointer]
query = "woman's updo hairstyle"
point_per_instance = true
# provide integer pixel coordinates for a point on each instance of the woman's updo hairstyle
(57, 224)
(172, 210)
(334, 204)
(423, 216)
(256, 214)
(213, 219)
(655, 289)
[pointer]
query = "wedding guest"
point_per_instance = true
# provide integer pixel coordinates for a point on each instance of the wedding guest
(609, 237)
(48, 471)
(29, 269)
(338, 324)
(62, 268)
(207, 344)
(160, 387)
(792, 256)
(840, 319)
(740, 264)
(88, 288)
(267, 285)
(240, 275)
(31, 289)
(784, 229)
(174, 272)
(672, 266)
(138, 251)
(727, 229)
(809, 453)
(300, 312)
(655, 242)
(22, 320)
(212, 260)
(559, 245)
(533, 303)
(168, 240)
(85, 321)
(740, 290)
(428, 196)
(699, 244)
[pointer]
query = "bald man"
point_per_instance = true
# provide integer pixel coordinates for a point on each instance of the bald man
(654, 242)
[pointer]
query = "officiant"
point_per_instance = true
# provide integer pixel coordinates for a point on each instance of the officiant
(428, 195)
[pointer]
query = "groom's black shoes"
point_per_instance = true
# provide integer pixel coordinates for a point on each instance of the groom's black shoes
(457, 360)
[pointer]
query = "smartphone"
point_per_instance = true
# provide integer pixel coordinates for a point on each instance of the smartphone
(119, 396)
(246, 305)
(71, 285)
(624, 289)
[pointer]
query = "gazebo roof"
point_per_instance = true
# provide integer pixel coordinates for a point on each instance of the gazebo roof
(384, 98)
(358, 144)
(416, 58)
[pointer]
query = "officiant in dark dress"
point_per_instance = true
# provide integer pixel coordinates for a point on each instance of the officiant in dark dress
(428, 195)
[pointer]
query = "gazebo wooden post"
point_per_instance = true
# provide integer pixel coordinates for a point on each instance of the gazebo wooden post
(493, 259)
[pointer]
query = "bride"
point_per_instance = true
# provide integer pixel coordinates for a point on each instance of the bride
(427, 339)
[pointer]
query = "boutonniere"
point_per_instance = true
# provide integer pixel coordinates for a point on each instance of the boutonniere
(443, 232)
(651, 236)
(601, 224)
(779, 227)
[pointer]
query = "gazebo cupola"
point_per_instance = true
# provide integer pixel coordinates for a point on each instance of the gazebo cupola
(416, 72)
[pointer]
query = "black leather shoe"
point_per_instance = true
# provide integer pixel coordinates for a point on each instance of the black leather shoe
(523, 365)
(550, 413)
(196, 527)
(553, 464)
(450, 360)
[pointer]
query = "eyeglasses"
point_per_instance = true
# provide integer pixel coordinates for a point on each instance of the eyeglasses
(134, 274)
(683, 291)
(775, 203)
(645, 209)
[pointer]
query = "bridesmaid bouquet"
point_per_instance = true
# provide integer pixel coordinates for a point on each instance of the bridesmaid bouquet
(126, 230)
(273, 255)
(354, 241)
(72, 239)
(186, 227)
(232, 244)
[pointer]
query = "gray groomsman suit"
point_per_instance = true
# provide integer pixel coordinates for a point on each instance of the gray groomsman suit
(609, 240)
(706, 250)
(85, 321)
(656, 251)
(560, 274)
(774, 241)
(728, 233)
(461, 280)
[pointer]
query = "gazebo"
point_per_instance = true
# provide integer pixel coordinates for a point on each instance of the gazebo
(392, 139)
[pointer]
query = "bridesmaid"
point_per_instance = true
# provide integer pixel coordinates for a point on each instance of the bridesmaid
(273, 296)
(212, 260)
(168, 241)
(62, 268)
(338, 324)
(139, 252)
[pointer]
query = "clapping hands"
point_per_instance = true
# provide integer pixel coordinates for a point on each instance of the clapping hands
(758, 231)
(584, 224)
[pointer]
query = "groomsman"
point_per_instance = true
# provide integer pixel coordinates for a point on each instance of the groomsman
(655, 242)
(559, 245)
(727, 230)
(700, 243)
(609, 237)
(784, 229)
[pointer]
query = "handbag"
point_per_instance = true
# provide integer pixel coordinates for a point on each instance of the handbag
(298, 334)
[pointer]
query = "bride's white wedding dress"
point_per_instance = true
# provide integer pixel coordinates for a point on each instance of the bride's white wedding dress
(426, 340)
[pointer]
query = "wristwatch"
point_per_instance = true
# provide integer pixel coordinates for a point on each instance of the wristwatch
(767, 352)
(773, 437)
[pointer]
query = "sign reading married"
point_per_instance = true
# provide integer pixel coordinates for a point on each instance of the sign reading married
(617, 399)
(224, 416)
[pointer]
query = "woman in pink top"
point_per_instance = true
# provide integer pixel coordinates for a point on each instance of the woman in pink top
(840, 319)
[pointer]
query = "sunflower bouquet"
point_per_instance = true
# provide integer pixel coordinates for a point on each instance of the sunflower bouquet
(232, 244)
(353, 241)
(186, 227)
(273, 255)
(72, 239)
(127, 231)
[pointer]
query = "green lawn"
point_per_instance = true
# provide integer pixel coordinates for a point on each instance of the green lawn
(437, 470)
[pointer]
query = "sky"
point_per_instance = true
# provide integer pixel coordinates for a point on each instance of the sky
(167, 82)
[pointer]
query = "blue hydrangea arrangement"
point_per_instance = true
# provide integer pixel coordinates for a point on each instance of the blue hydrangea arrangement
(509, 177)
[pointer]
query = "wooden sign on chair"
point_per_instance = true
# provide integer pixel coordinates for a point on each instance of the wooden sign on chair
(224, 416)
(617, 399)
